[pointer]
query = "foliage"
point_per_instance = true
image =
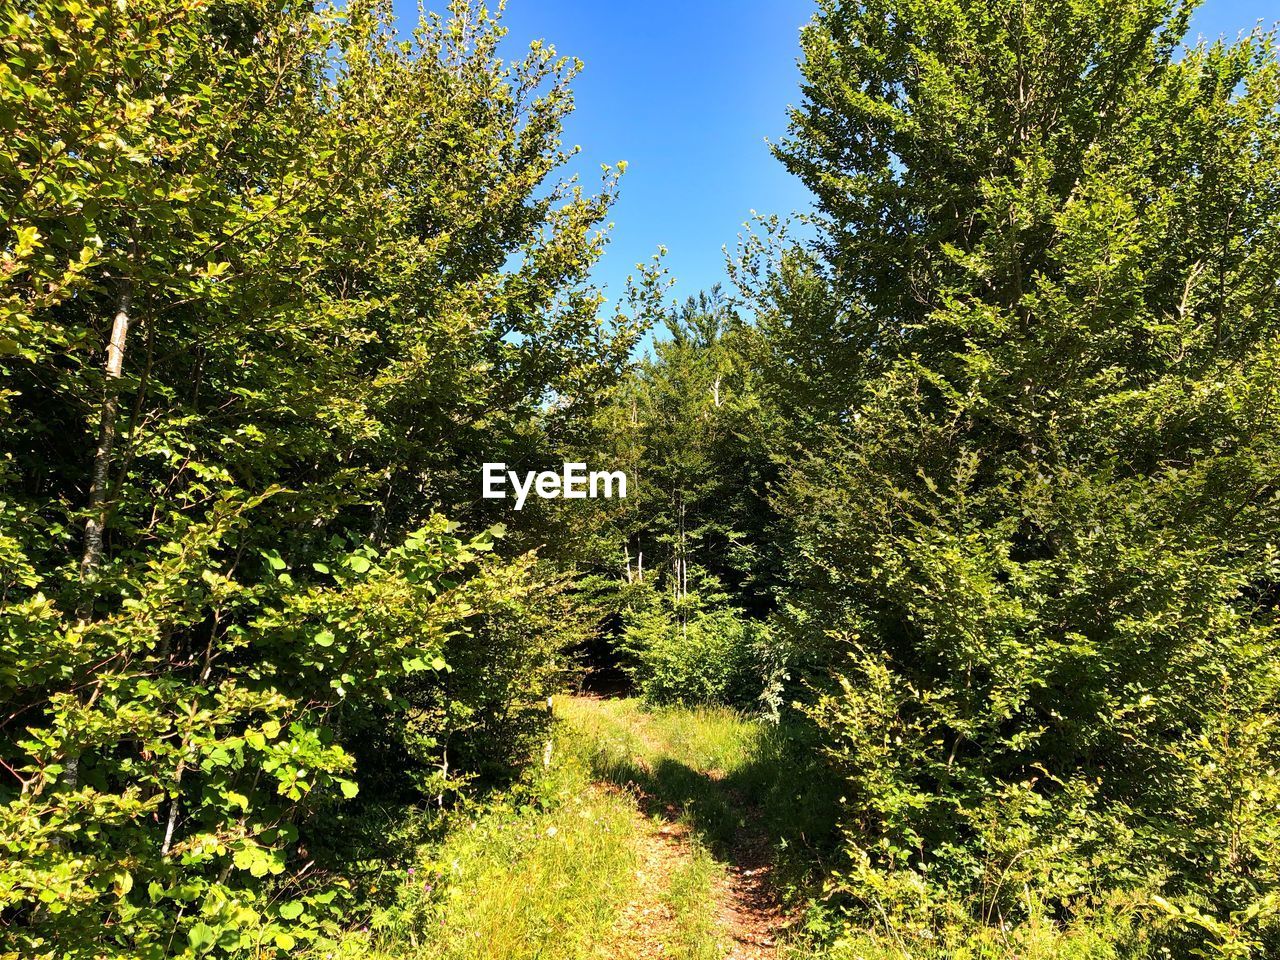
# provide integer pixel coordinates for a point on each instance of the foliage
(271, 279)
(973, 488)
(203, 768)
(698, 654)
(685, 425)
(1032, 500)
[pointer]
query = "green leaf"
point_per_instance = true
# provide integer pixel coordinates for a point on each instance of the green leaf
(291, 910)
(202, 937)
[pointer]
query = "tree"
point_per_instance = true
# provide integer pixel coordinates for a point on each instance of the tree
(1033, 509)
(272, 278)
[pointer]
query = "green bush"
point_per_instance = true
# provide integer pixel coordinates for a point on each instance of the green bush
(709, 656)
(176, 801)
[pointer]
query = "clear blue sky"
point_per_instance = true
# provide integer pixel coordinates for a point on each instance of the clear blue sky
(687, 92)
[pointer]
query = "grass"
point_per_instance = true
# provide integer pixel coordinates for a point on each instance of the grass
(693, 932)
(552, 869)
(542, 873)
(1099, 938)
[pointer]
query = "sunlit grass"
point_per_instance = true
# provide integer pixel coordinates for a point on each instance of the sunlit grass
(547, 871)
(1097, 939)
(694, 933)
(615, 734)
(545, 878)
(551, 870)
(716, 766)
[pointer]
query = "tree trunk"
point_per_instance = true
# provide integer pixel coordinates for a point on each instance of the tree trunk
(172, 824)
(97, 522)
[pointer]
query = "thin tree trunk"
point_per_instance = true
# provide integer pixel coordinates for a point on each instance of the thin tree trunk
(130, 432)
(101, 477)
(683, 568)
(98, 502)
(173, 810)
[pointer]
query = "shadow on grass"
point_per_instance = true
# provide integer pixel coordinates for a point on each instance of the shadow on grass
(771, 816)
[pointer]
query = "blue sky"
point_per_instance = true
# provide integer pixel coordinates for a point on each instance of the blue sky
(686, 93)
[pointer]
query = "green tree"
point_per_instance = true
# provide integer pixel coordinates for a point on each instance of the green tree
(272, 279)
(688, 542)
(1034, 502)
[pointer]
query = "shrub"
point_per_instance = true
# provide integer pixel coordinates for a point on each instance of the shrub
(710, 656)
(181, 757)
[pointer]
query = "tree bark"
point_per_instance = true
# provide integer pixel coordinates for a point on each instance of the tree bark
(96, 524)
(172, 824)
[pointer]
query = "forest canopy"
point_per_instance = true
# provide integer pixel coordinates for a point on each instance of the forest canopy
(963, 496)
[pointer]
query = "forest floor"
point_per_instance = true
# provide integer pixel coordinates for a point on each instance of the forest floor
(700, 896)
(646, 838)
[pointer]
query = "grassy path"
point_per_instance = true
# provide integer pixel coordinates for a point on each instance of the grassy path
(644, 839)
(701, 833)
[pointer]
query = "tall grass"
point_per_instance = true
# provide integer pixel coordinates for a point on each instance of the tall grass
(544, 873)
(560, 867)
(613, 736)
(724, 773)
(1105, 936)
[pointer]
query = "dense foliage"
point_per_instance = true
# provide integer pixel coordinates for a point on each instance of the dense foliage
(1038, 537)
(270, 279)
(973, 482)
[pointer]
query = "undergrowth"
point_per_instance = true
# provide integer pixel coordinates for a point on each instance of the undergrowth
(554, 867)
(543, 871)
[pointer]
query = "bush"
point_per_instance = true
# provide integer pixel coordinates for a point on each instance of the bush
(710, 656)
(182, 758)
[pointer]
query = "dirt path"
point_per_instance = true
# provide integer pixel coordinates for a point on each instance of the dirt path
(747, 915)
(705, 878)
(749, 911)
